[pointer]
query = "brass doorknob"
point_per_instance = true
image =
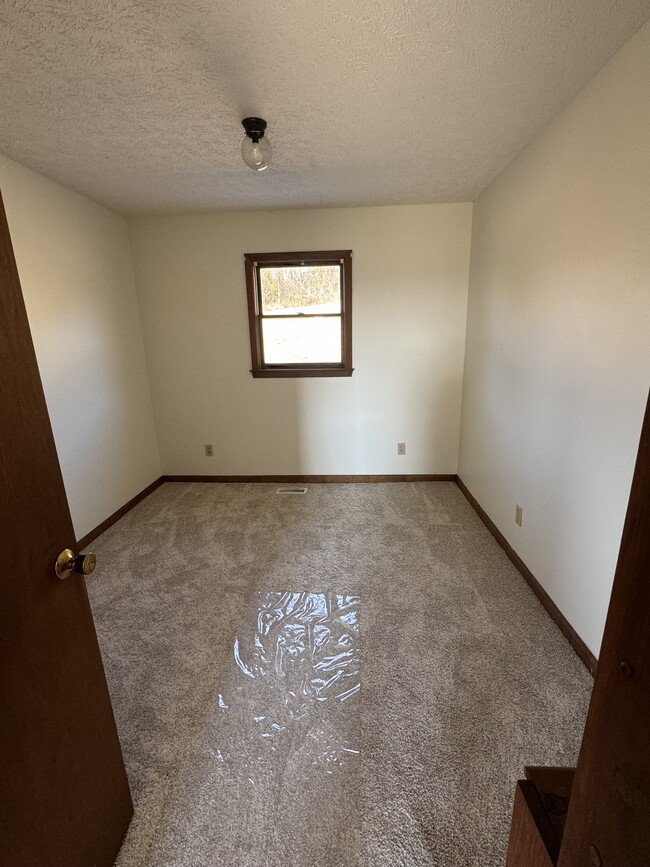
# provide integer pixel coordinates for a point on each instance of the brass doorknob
(68, 562)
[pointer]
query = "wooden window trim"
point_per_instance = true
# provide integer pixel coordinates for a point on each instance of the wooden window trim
(259, 369)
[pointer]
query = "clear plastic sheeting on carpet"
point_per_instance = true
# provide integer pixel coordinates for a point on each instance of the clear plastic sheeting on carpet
(293, 699)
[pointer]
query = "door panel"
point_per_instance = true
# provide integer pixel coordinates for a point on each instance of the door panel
(608, 821)
(63, 788)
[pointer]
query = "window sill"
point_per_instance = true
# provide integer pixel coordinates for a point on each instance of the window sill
(296, 372)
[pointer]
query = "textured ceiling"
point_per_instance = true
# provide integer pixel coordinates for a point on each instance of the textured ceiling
(138, 104)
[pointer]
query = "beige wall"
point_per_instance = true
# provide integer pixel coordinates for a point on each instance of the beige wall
(410, 269)
(74, 262)
(556, 358)
(558, 338)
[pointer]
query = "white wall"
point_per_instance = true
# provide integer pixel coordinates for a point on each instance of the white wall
(410, 270)
(558, 338)
(74, 262)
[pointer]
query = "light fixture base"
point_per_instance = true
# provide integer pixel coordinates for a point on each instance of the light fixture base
(255, 127)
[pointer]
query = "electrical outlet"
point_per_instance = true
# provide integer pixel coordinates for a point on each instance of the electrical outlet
(401, 448)
(519, 515)
(209, 451)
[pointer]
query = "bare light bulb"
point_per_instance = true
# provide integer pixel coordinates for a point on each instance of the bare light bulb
(256, 154)
(256, 149)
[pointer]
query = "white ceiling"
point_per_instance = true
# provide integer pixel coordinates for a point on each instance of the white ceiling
(138, 104)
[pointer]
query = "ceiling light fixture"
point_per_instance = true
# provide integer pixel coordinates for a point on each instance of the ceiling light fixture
(256, 148)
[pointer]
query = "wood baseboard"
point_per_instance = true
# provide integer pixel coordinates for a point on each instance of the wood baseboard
(112, 519)
(316, 480)
(562, 623)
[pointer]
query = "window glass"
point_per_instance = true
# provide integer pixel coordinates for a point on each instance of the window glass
(300, 289)
(312, 340)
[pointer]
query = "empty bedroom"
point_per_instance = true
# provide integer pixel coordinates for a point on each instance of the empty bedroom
(324, 363)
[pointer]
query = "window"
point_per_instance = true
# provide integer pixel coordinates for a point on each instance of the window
(300, 313)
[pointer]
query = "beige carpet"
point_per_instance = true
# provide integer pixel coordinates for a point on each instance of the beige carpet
(351, 677)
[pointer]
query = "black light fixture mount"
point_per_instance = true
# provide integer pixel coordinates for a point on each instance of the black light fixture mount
(256, 148)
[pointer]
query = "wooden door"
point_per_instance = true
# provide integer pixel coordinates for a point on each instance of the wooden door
(608, 818)
(608, 822)
(64, 796)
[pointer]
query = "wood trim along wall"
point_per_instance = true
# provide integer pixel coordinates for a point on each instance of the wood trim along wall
(562, 623)
(112, 519)
(290, 480)
(554, 612)
(316, 480)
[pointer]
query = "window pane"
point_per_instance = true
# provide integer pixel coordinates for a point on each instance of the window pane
(302, 341)
(301, 289)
